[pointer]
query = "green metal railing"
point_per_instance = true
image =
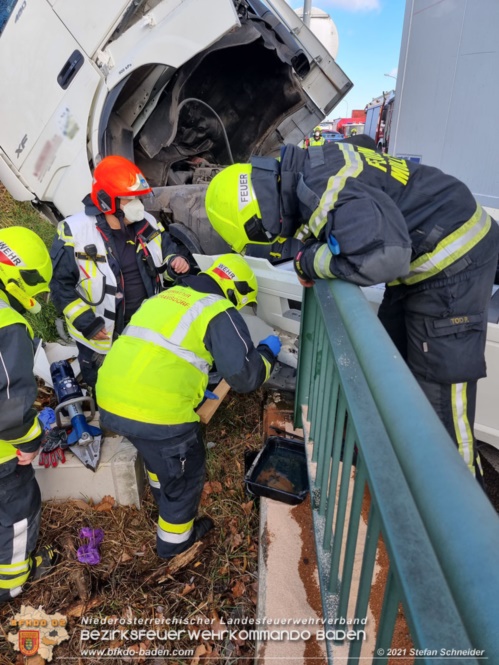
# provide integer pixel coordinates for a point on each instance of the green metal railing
(372, 427)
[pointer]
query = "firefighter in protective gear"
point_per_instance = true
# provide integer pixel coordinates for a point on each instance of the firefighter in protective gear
(156, 375)
(369, 218)
(25, 271)
(317, 138)
(108, 259)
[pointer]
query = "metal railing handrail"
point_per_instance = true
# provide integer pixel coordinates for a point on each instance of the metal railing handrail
(461, 524)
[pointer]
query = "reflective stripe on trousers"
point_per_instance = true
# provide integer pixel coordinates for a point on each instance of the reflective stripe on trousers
(17, 542)
(174, 533)
(20, 509)
(153, 479)
(178, 465)
(462, 427)
(14, 574)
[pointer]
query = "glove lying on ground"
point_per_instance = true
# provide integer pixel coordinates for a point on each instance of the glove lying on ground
(53, 442)
(89, 553)
(273, 342)
(47, 417)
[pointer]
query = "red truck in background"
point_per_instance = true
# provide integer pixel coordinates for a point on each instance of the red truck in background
(350, 126)
(378, 119)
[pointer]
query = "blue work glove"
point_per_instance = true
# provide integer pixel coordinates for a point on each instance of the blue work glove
(273, 342)
(47, 417)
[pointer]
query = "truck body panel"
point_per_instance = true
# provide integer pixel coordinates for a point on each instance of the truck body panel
(116, 80)
(90, 22)
(31, 95)
(448, 67)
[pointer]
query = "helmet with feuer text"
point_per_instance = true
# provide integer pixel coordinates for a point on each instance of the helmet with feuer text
(234, 210)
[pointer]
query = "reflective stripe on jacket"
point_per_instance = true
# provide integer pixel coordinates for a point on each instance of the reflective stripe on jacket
(452, 248)
(8, 317)
(83, 233)
(157, 370)
(386, 219)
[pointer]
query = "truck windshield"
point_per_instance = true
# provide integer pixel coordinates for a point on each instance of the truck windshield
(6, 9)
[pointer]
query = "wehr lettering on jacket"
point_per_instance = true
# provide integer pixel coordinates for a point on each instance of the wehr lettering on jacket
(397, 167)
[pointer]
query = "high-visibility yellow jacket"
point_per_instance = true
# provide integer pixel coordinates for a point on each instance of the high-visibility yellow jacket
(19, 425)
(313, 141)
(157, 370)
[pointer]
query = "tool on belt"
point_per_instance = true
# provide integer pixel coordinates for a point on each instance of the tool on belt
(83, 440)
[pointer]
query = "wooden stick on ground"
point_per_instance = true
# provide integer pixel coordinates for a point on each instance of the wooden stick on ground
(175, 564)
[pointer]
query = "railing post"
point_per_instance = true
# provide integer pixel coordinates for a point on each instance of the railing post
(309, 308)
(445, 578)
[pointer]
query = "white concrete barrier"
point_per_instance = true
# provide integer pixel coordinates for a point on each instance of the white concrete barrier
(120, 474)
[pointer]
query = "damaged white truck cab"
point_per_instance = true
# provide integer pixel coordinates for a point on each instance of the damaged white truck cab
(178, 86)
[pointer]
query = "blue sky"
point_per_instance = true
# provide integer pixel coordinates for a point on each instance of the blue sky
(369, 32)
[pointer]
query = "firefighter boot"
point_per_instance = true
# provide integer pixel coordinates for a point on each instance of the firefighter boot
(201, 527)
(44, 560)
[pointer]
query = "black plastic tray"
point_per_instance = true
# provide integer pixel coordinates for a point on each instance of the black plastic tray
(279, 471)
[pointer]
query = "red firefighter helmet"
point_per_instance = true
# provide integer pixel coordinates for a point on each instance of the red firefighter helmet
(116, 177)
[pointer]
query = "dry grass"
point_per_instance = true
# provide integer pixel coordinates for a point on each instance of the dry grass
(221, 582)
(22, 213)
(16, 213)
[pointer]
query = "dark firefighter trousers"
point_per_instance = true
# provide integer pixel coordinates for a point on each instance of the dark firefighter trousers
(440, 329)
(20, 506)
(176, 471)
(89, 361)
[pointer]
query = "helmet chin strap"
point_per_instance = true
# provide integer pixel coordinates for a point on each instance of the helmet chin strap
(232, 297)
(120, 216)
(265, 181)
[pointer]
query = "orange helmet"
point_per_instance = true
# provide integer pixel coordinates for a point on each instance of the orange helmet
(116, 177)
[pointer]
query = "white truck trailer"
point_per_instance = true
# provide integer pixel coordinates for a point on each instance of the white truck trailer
(447, 70)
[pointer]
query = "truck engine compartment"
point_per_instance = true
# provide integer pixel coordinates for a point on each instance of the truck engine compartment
(222, 106)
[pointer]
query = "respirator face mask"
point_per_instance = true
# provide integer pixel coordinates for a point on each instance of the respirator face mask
(133, 209)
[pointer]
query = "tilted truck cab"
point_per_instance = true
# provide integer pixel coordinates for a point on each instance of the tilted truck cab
(181, 87)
